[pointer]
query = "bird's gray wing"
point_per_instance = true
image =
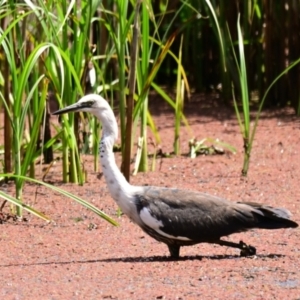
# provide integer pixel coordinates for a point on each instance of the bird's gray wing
(196, 216)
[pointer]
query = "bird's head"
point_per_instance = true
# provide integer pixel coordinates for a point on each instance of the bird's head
(91, 103)
(100, 108)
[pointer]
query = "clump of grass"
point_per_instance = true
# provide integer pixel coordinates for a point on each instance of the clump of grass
(243, 117)
(209, 146)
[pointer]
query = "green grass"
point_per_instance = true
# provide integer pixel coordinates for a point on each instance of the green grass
(48, 47)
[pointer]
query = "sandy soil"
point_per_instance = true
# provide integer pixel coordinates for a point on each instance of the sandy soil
(80, 256)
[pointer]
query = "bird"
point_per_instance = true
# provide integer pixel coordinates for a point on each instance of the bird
(176, 217)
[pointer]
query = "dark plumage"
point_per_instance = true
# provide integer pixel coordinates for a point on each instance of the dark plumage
(204, 218)
(172, 216)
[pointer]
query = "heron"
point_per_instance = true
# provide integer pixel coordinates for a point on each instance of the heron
(176, 217)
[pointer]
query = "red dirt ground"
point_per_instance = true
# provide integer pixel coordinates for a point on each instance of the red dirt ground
(80, 256)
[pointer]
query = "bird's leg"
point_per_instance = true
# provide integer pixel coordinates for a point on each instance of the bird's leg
(246, 250)
(174, 251)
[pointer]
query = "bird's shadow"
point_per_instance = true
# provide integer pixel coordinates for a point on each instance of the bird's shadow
(143, 259)
(138, 259)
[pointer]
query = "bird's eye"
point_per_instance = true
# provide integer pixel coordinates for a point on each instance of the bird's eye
(89, 103)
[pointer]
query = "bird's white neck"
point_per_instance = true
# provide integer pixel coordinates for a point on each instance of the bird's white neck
(114, 178)
(121, 191)
(119, 188)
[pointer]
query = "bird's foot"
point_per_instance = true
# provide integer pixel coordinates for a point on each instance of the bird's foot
(246, 250)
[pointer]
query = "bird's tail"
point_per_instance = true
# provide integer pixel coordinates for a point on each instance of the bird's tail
(271, 217)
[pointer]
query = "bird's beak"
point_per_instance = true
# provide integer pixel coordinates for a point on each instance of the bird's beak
(71, 108)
